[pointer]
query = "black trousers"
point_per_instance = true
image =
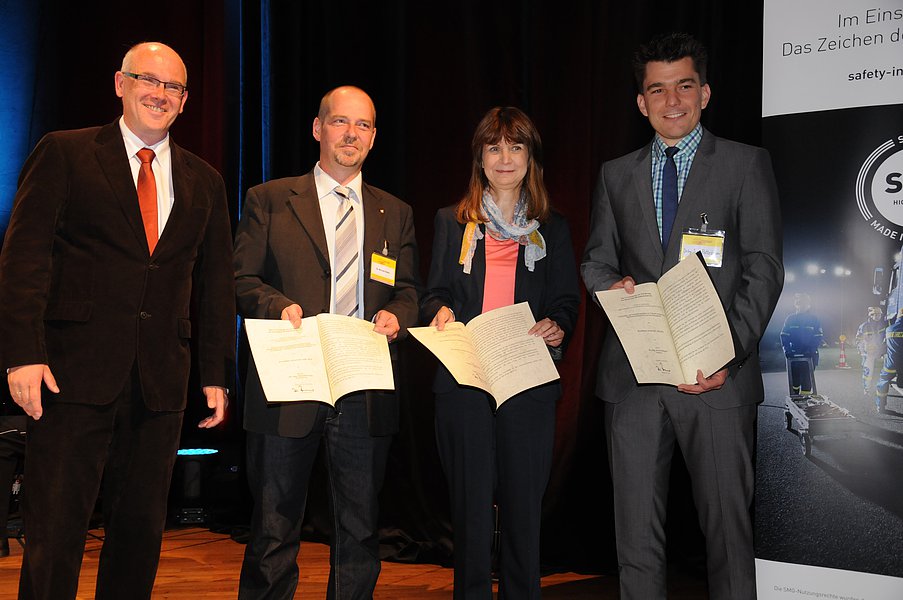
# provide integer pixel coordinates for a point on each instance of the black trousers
(506, 456)
(69, 450)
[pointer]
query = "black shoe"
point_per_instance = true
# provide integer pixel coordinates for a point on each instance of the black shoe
(4, 547)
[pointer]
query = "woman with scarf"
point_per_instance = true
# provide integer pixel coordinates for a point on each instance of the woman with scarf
(500, 245)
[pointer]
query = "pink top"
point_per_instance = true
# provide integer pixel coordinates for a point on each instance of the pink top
(501, 260)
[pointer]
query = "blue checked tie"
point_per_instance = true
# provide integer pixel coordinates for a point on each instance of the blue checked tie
(346, 255)
(669, 194)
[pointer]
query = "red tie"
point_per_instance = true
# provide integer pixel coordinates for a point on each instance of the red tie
(147, 197)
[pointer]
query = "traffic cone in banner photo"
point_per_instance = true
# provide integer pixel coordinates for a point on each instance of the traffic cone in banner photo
(843, 354)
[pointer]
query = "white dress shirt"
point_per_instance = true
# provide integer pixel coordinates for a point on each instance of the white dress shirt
(329, 205)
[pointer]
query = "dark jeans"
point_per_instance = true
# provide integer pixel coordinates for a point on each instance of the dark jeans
(278, 474)
(68, 451)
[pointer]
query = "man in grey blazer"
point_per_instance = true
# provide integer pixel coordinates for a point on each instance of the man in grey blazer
(712, 421)
(288, 265)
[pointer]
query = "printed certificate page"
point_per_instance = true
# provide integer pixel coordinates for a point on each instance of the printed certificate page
(357, 358)
(699, 328)
(289, 361)
(493, 352)
(326, 358)
(640, 322)
(454, 348)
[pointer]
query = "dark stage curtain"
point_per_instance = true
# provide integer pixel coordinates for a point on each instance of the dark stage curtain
(433, 70)
(257, 72)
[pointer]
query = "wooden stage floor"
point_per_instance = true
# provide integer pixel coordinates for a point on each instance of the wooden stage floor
(198, 564)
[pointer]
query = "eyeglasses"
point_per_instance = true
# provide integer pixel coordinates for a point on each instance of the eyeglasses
(170, 87)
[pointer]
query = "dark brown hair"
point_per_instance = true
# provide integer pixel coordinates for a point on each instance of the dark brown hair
(511, 124)
(670, 47)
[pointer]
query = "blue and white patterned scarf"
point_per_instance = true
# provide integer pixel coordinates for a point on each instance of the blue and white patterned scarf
(524, 231)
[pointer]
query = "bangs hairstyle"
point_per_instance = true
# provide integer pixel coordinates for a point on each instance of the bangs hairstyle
(668, 48)
(511, 124)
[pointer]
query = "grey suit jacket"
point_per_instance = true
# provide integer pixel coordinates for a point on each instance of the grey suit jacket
(734, 185)
(281, 258)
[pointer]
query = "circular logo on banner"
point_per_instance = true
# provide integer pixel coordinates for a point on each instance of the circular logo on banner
(879, 189)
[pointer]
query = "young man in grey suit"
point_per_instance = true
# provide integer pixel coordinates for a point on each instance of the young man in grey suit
(642, 206)
(116, 231)
(289, 263)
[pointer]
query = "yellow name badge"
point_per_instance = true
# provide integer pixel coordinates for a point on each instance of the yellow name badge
(710, 244)
(382, 268)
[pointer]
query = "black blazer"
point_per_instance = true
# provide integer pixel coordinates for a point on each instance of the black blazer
(80, 292)
(281, 258)
(551, 289)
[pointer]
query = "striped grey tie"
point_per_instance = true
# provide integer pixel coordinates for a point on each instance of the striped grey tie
(346, 255)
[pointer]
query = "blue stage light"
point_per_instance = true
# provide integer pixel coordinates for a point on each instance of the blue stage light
(19, 22)
(196, 451)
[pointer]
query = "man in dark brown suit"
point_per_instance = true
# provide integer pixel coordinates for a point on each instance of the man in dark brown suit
(95, 293)
(287, 265)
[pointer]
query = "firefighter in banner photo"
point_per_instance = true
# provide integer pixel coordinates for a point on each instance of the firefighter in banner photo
(892, 360)
(870, 342)
(801, 337)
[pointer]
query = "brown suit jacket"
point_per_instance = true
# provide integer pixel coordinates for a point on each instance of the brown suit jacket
(281, 258)
(80, 291)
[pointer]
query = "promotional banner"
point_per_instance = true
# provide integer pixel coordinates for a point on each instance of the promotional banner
(829, 495)
(830, 54)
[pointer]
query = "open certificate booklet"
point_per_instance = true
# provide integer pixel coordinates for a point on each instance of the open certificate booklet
(493, 352)
(672, 328)
(326, 358)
